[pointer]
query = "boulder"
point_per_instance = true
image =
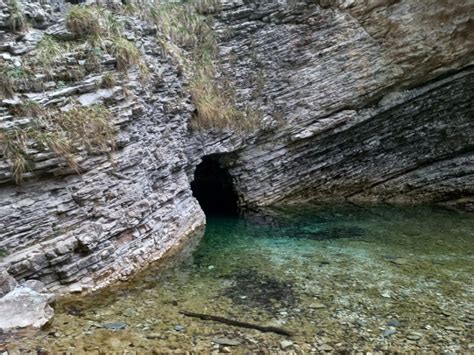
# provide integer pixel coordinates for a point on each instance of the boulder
(24, 307)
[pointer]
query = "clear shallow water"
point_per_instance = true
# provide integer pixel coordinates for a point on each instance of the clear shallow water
(340, 277)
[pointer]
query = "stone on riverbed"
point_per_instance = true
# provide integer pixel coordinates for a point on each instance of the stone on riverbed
(114, 325)
(226, 341)
(24, 307)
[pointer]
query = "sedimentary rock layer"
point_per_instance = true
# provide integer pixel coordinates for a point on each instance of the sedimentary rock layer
(366, 101)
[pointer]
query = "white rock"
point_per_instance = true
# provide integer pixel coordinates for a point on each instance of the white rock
(24, 307)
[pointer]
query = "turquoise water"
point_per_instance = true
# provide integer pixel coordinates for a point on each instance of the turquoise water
(341, 278)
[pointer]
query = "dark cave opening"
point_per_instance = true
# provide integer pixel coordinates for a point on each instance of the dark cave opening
(214, 189)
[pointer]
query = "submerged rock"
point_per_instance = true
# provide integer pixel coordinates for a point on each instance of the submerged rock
(24, 307)
(285, 344)
(226, 341)
(332, 233)
(394, 323)
(115, 326)
(257, 290)
(389, 332)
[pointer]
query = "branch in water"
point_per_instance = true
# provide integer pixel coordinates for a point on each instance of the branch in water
(237, 323)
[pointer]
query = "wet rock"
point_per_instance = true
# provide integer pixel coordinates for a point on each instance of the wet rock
(317, 305)
(399, 261)
(326, 348)
(226, 341)
(255, 289)
(414, 336)
(394, 323)
(286, 344)
(23, 307)
(388, 332)
(114, 326)
(332, 233)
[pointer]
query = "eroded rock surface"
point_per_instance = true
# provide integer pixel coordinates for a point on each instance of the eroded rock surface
(375, 99)
(367, 101)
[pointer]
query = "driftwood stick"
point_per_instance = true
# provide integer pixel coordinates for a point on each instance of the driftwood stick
(238, 323)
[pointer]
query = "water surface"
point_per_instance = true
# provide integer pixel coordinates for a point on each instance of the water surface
(342, 278)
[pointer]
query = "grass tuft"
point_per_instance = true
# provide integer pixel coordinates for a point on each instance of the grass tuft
(108, 81)
(16, 20)
(63, 133)
(85, 21)
(125, 52)
(93, 23)
(11, 78)
(190, 39)
(49, 50)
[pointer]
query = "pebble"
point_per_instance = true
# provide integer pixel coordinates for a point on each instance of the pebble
(153, 336)
(326, 347)
(226, 341)
(453, 329)
(179, 328)
(317, 305)
(285, 344)
(394, 323)
(414, 336)
(114, 326)
(389, 332)
(399, 261)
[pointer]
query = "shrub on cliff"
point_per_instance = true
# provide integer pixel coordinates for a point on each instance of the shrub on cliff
(85, 21)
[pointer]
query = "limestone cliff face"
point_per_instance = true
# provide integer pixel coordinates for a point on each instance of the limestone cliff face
(375, 97)
(361, 100)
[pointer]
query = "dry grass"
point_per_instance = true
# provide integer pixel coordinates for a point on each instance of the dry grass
(16, 20)
(93, 23)
(85, 21)
(108, 81)
(194, 45)
(89, 126)
(28, 108)
(48, 51)
(63, 133)
(11, 79)
(125, 52)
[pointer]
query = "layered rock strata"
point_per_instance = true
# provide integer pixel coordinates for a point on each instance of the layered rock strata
(365, 101)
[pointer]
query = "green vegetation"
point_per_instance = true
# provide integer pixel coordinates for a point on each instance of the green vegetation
(11, 78)
(48, 50)
(16, 19)
(63, 133)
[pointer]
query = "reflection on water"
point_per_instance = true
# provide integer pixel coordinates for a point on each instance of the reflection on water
(343, 278)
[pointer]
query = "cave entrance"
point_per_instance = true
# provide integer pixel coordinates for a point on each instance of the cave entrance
(213, 188)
